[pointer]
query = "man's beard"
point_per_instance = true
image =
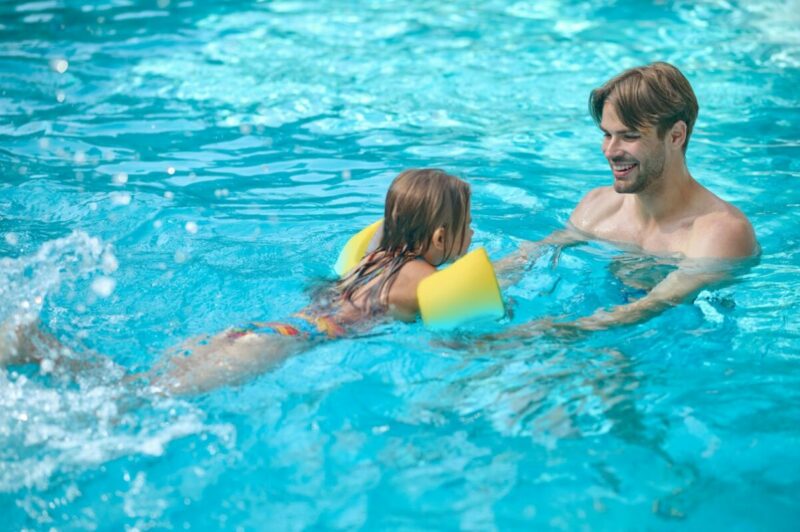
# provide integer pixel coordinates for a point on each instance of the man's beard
(647, 174)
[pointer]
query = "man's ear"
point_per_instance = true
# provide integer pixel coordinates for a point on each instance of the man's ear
(437, 240)
(677, 134)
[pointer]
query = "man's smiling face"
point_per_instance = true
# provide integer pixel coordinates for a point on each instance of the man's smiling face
(636, 156)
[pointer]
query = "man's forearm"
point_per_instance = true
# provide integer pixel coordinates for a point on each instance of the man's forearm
(511, 267)
(633, 312)
(677, 287)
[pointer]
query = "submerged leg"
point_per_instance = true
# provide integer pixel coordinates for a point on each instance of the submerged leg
(205, 363)
(25, 344)
(29, 344)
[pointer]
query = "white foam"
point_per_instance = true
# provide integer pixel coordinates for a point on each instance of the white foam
(48, 431)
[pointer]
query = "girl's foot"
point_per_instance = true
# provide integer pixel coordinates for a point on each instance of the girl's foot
(9, 344)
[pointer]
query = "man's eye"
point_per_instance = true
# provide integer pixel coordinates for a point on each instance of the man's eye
(631, 136)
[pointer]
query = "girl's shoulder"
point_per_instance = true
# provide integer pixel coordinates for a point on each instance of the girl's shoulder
(416, 270)
(403, 293)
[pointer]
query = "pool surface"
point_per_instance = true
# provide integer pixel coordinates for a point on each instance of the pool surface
(171, 168)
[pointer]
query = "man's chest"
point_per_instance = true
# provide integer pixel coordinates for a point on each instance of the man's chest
(652, 238)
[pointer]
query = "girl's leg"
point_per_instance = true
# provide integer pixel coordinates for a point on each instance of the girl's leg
(205, 363)
(25, 344)
(197, 366)
(28, 344)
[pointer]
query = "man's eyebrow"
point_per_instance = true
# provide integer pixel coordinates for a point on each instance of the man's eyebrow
(621, 131)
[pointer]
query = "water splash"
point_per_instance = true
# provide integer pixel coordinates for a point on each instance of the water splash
(50, 432)
(25, 282)
(56, 423)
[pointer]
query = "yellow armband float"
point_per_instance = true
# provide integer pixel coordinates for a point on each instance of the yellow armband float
(355, 249)
(463, 291)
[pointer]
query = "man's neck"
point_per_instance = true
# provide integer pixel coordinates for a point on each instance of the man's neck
(668, 196)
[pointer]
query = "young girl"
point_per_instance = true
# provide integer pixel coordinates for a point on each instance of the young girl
(426, 223)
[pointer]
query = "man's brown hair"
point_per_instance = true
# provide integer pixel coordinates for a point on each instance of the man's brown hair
(652, 95)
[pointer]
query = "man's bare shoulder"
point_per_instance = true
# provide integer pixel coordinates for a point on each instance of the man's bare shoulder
(597, 205)
(724, 233)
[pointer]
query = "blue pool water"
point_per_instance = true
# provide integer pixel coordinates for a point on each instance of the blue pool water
(172, 168)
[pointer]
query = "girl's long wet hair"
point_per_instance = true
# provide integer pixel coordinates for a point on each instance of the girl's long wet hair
(419, 202)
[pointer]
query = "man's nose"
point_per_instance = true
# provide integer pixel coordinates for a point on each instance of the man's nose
(611, 148)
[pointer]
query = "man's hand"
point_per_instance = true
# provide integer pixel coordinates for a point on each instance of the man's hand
(510, 268)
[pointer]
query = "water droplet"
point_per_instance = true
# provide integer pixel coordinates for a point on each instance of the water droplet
(45, 366)
(60, 96)
(157, 224)
(120, 178)
(346, 174)
(171, 170)
(103, 286)
(12, 239)
(60, 65)
(72, 493)
(169, 195)
(180, 257)
(191, 227)
(80, 157)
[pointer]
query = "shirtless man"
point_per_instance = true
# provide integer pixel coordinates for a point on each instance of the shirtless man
(646, 115)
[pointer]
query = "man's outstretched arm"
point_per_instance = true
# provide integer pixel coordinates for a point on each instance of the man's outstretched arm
(510, 268)
(719, 246)
(677, 287)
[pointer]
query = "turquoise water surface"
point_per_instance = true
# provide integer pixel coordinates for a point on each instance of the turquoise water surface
(171, 168)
